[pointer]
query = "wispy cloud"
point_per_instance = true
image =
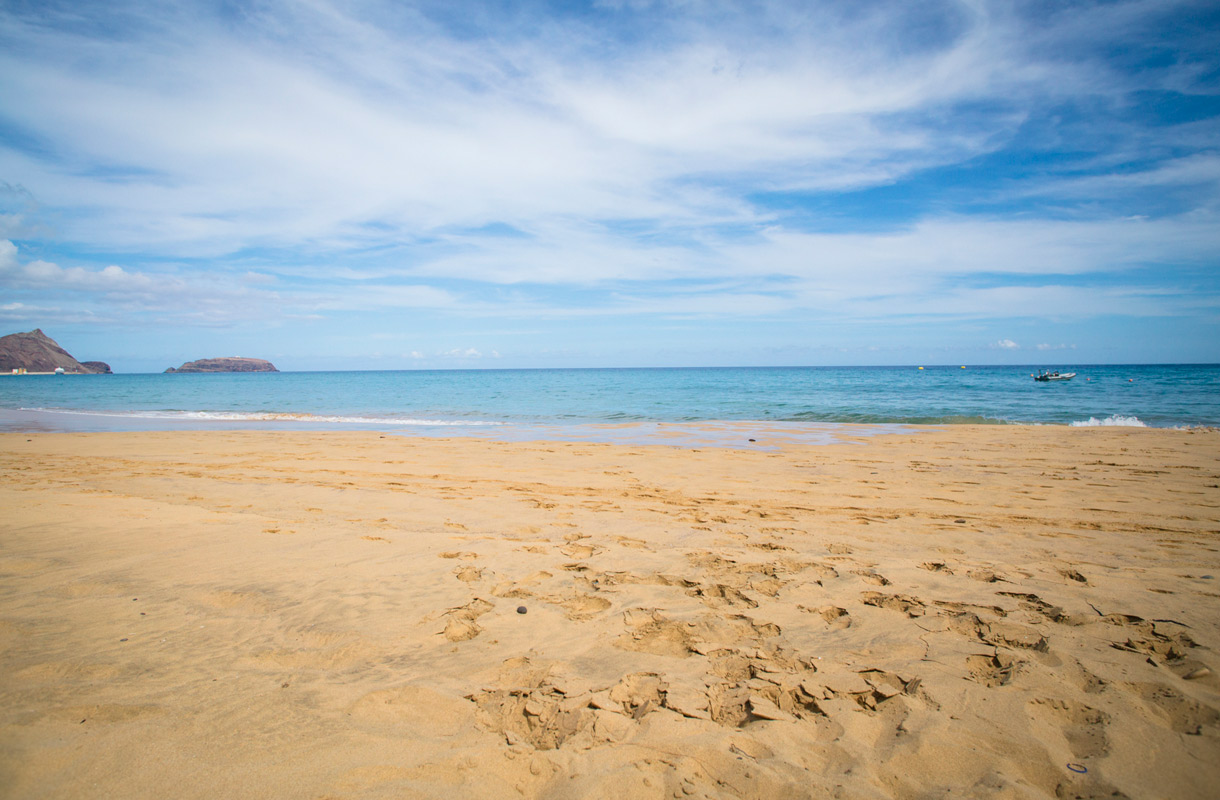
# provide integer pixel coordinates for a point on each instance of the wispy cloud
(303, 122)
(864, 163)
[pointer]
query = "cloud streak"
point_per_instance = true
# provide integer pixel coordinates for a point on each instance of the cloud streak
(949, 160)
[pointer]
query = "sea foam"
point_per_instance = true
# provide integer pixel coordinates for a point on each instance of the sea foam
(1114, 420)
(268, 416)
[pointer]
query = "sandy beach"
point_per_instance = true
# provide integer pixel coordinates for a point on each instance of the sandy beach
(990, 611)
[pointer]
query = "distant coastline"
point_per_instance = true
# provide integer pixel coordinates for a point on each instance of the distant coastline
(24, 373)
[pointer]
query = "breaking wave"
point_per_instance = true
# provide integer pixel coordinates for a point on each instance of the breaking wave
(1114, 420)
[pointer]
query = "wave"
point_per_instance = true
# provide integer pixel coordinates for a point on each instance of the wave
(1114, 420)
(269, 416)
(864, 418)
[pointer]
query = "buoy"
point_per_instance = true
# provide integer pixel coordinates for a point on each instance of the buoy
(963, 367)
(921, 367)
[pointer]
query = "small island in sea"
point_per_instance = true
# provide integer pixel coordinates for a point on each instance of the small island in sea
(229, 364)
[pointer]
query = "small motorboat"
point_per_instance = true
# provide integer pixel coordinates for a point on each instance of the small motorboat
(1054, 376)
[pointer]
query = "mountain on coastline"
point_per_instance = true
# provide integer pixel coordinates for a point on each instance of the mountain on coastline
(34, 351)
(231, 364)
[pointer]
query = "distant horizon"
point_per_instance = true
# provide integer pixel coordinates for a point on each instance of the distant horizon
(1035, 366)
(475, 367)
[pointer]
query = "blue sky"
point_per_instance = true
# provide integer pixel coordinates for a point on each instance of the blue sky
(389, 185)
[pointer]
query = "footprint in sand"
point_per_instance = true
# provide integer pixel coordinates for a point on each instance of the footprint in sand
(468, 574)
(1176, 711)
(729, 704)
(895, 602)
(742, 688)
(991, 671)
(577, 606)
(652, 632)
(1042, 609)
(459, 630)
(533, 707)
(1083, 727)
(629, 541)
(740, 700)
(872, 576)
(999, 633)
(834, 616)
(574, 550)
(461, 625)
(1073, 575)
(639, 693)
(769, 546)
(970, 608)
(721, 596)
(1168, 644)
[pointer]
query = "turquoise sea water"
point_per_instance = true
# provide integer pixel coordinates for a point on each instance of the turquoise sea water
(497, 402)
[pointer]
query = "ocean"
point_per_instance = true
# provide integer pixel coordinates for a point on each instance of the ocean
(599, 404)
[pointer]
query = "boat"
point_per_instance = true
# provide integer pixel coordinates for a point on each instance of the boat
(1054, 376)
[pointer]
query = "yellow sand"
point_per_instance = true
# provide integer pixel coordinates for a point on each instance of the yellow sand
(983, 612)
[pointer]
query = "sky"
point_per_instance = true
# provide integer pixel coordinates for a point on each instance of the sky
(436, 185)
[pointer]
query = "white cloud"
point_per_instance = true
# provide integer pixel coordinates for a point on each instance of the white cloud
(40, 274)
(1007, 344)
(103, 294)
(225, 139)
(319, 159)
(468, 352)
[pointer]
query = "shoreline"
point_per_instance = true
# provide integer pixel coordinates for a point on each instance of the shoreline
(24, 374)
(710, 433)
(985, 610)
(702, 433)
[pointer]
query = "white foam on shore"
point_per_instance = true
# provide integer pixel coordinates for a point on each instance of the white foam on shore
(1114, 420)
(267, 416)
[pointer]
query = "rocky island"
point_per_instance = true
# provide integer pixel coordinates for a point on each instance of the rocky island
(230, 364)
(35, 352)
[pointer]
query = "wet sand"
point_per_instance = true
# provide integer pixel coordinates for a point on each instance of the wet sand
(991, 611)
